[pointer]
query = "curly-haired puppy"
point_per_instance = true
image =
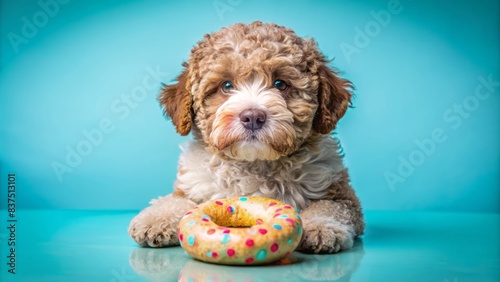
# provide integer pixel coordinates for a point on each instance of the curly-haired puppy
(260, 103)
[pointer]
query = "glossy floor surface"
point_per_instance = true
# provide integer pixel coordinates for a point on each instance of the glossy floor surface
(397, 246)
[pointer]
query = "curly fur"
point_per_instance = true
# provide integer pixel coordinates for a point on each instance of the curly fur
(291, 157)
(297, 180)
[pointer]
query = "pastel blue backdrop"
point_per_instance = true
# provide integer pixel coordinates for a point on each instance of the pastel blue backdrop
(81, 128)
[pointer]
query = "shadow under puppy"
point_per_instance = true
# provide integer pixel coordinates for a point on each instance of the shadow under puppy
(261, 103)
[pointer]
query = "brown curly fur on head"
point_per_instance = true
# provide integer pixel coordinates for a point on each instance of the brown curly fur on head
(257, 53)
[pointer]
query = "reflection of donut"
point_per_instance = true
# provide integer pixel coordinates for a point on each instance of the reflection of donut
(244, 230)
(196, 271)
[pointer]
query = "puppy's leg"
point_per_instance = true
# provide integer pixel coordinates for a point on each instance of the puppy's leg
(331, 225)
(156, 225)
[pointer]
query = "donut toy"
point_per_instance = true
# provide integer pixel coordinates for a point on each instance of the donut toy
(240, 231)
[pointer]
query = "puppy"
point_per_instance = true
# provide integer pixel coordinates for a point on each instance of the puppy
(261, 104)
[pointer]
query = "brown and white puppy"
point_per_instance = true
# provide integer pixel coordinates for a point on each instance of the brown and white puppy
(261, 103)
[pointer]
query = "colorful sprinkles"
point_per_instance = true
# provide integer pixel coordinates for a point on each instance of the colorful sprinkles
(190, 240)
(230, 252)
(225, 238)
(274, 247)
(261, 254)
(269, 239)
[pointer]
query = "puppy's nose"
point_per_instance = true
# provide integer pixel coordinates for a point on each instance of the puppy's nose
(253, 119)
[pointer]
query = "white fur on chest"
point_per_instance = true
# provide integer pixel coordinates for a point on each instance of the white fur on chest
(296, 179)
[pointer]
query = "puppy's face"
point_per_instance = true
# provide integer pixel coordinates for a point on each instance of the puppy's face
(255, 92)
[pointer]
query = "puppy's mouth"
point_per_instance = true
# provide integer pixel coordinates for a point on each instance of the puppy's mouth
(247, 139)
(250, 136)
(251, 149)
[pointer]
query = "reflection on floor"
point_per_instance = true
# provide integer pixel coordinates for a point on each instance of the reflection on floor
(397, 246)
(158, 265)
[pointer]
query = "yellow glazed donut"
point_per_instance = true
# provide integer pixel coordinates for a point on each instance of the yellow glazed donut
(240, 231)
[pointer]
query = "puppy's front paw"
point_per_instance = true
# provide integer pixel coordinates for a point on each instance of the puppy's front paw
(326, 238)
(150, 230)
(156, 225)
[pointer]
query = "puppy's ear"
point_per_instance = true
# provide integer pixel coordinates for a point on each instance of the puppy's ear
(334, 96)
(176, 101)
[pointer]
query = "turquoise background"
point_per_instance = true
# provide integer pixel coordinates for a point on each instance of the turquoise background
(412, 74)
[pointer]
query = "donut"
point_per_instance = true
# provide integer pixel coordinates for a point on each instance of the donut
(240, 231)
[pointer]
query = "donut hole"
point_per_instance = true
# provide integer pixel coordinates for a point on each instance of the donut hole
(241, 218)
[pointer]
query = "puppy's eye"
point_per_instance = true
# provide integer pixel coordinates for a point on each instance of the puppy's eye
(280, 85)
(226, 87)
